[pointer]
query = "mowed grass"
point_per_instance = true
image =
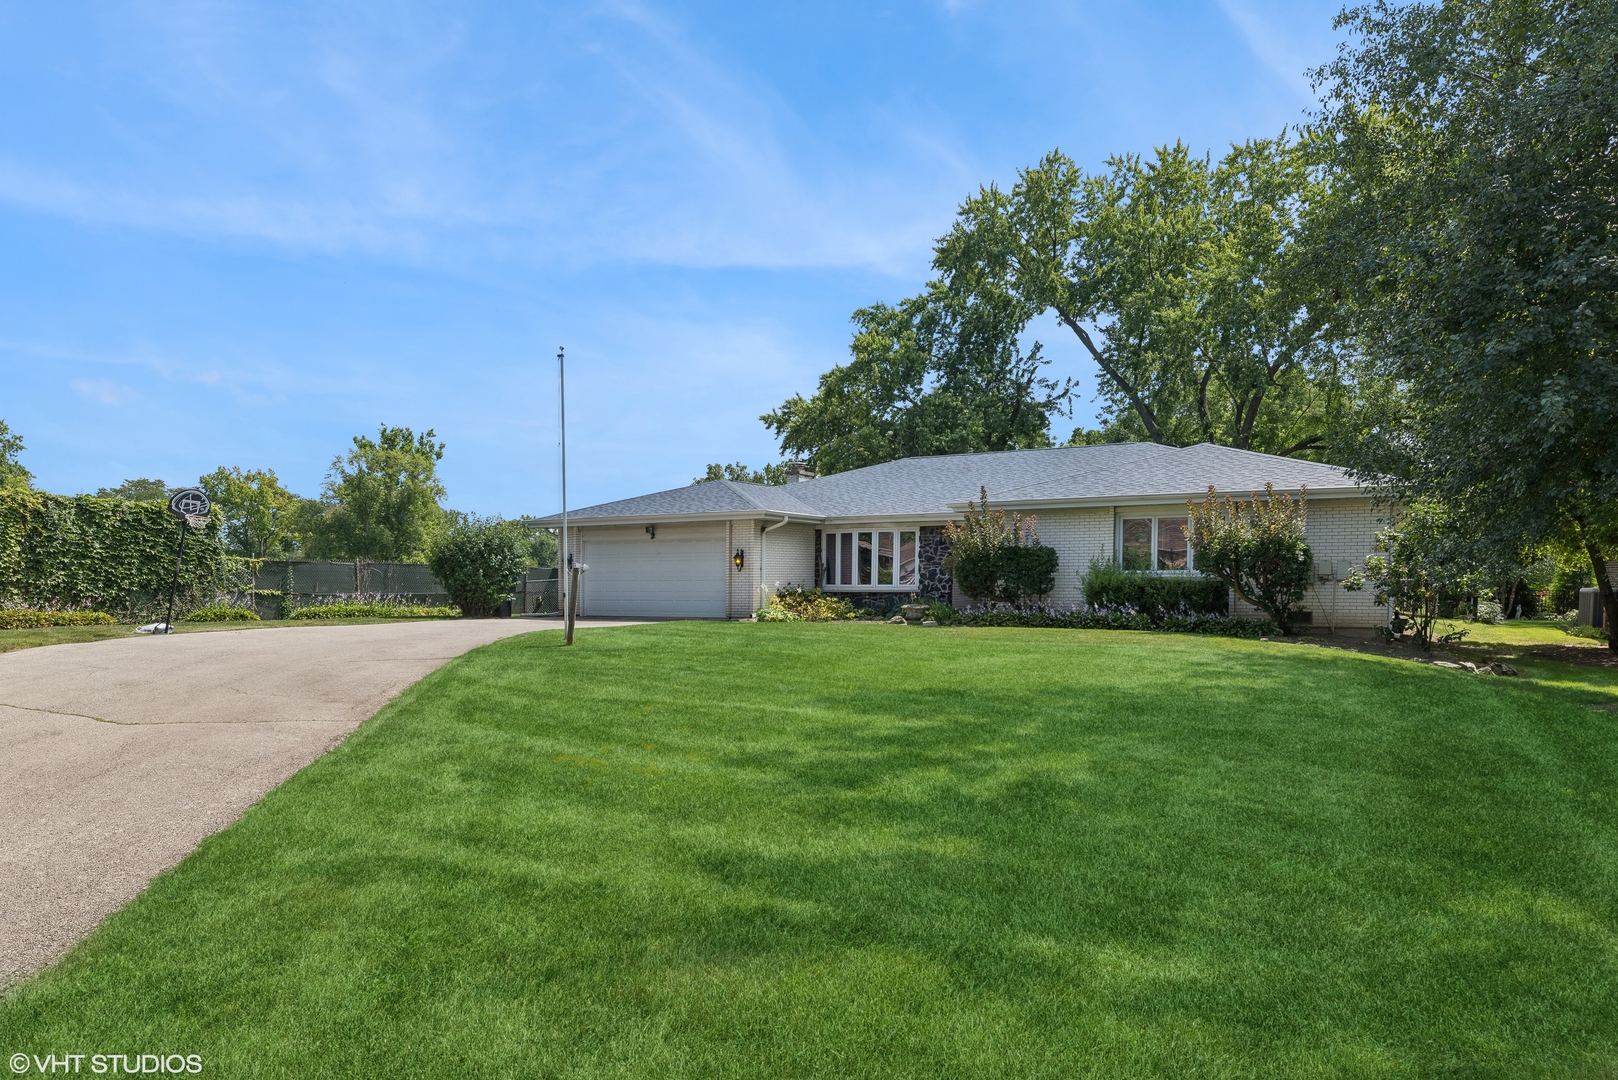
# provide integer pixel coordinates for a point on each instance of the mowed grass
(792, 850)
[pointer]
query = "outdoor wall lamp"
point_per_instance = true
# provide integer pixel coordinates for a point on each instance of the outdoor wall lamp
(739, 558)
(651, 530)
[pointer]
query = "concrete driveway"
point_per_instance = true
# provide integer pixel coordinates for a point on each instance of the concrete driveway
(118, 757)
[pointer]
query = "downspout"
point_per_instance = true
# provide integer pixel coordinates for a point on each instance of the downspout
(763, 553)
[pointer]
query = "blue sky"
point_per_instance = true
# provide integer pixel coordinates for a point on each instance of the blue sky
(240, 234)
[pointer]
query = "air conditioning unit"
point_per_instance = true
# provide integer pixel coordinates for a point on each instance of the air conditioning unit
(1590, 612)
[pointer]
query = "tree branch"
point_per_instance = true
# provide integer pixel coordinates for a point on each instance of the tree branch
(1147, 417)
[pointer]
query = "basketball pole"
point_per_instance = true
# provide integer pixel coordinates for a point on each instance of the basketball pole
(174, 586)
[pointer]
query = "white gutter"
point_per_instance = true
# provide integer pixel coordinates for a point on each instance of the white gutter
(763, 555)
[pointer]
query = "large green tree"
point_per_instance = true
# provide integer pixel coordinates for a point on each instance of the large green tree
(944, 372)
(1191, 284)
(1475, 157)
(382, 498)
(256, 508)
(12, 473)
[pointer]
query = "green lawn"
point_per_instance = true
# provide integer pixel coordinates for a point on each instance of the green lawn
(1523, 632)
(789, 850)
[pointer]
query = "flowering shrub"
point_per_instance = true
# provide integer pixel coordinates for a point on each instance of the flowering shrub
(1257, 548)
(812, 605)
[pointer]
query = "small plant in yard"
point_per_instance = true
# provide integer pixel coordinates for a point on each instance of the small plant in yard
(478, 559)
(813, 605)
(1256, 548)
(776, 613)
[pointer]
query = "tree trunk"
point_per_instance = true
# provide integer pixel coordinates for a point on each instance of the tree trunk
(1609, 596)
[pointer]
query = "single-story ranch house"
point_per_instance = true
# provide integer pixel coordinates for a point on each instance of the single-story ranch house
(717, 549)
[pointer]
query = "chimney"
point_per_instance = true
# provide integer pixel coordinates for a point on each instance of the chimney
(798, 472)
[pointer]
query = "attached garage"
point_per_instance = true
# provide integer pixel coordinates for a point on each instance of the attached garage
(678, 575)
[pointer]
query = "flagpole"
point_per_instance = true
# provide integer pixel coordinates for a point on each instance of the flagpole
(564, 562)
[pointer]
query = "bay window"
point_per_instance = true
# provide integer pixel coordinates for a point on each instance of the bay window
(873, 559)
(1154, 543)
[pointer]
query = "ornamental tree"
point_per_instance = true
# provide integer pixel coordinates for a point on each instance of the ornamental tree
(1423, 556)
(1257, 548)
(996, 556)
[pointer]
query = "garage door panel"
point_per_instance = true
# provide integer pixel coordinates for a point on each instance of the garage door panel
(672, 576)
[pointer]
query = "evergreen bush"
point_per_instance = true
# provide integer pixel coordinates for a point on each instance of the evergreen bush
(1109, 586)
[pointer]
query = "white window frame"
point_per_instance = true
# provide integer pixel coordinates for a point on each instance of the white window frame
(827, 538)
(1155, 516)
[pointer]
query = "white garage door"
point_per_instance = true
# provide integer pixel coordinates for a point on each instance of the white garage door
(679, 575)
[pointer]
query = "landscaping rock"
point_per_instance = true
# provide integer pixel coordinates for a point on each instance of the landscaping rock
(899, 619)
(929, 622)
(1503, 669)
(1448, 664)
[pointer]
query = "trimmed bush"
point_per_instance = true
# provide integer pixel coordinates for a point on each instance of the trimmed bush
(223, 613)
(1025, 573)
(374, 611)
(478, 560)
(28, 619)
(1108, 586)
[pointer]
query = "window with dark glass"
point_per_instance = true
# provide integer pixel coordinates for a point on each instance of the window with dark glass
(846, 574)
(1172, 545)
(907, 558)
(865, 558)
(1137, 544)
(884, 558)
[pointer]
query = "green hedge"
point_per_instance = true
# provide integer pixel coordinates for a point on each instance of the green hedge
(374, 611)
(110, 554)
(1079, 619)
(28, 619)
(1108, 587)
(223, 613)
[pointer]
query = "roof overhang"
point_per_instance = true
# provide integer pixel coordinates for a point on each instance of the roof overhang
(1166, 499)
(555, 520)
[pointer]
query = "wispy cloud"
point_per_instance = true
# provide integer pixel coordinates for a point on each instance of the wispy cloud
(105, 391)
(1275, 44)
(627, 141)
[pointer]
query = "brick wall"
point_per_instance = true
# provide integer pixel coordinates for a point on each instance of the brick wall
(1078, 537)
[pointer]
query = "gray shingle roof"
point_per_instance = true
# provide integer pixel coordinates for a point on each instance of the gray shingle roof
(939, 486)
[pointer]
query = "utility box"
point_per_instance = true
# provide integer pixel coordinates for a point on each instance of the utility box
(1590, 612)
